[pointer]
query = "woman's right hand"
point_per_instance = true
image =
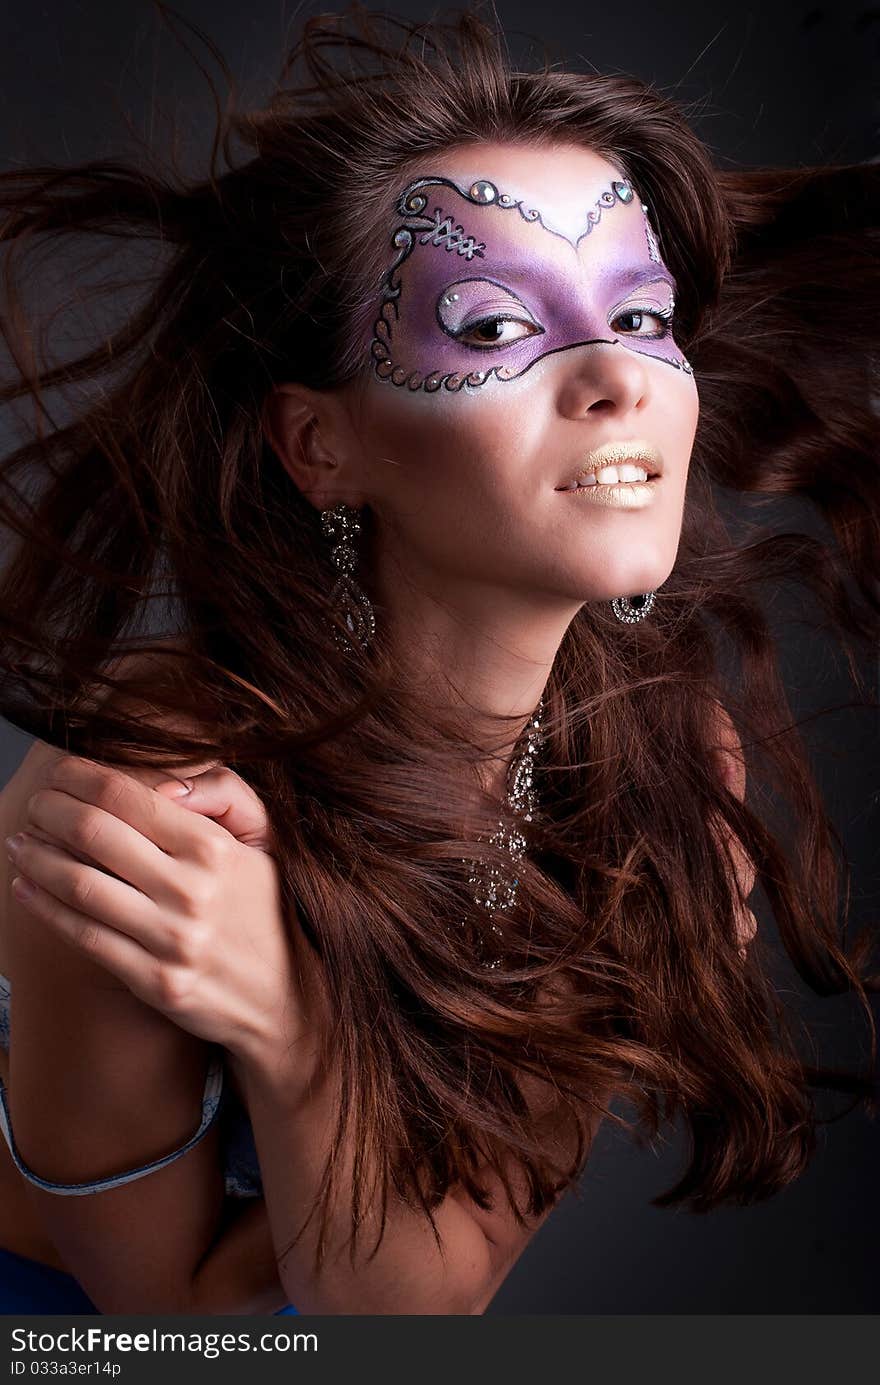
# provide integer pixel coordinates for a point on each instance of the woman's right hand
(189, 917)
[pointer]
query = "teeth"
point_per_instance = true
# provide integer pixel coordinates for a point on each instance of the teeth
(631, 471)
(611, 475)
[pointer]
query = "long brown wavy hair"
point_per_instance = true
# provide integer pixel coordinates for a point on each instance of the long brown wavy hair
(157, 507)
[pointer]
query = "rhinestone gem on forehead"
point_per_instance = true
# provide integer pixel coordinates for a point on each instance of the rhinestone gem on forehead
(411, 204)
(482, 192)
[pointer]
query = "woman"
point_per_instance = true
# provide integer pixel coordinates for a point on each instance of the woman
(467, 850)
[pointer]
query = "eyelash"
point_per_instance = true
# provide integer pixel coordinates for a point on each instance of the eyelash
(493, 317)
(665, 315)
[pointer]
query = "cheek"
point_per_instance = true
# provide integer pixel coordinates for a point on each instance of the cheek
(694, 396)
(680, 411)
(448, 445)
(694, 417)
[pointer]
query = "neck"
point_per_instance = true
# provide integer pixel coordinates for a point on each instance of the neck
(482, 653)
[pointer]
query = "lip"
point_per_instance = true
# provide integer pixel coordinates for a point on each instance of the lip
(637, 450)
(625, 495)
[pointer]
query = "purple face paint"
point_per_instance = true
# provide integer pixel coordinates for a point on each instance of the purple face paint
(484, 286)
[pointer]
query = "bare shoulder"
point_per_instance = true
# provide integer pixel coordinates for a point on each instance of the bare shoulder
(31, 770)
(29, 951)
(18, 788)
(552, 1115)
(143, 664)
(98, 1083)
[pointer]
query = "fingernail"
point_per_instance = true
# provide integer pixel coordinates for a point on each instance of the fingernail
(23, 888)
(13, 843)
(180, 789)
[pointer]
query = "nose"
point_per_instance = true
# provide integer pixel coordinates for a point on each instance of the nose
(603, 377)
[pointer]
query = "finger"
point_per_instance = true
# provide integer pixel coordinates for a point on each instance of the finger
(223, 795)
(746, 930)
(142, 773)
(135, 966)
(743, 867)
(746, 873)
(154, 816)
(146, 774)
(105, 841)
(89, 892)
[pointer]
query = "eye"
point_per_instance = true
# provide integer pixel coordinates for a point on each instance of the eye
(664, 316)
(483, 315)
(497, 329)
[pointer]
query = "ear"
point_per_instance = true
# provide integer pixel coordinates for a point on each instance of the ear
(305, 429)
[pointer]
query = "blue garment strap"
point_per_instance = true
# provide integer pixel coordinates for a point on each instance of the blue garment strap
(210, 1106)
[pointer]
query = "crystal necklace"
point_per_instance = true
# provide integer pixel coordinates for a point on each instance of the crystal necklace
(494, 888)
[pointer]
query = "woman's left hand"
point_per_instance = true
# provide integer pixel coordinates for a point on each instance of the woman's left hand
(167, 898)
(728, 757)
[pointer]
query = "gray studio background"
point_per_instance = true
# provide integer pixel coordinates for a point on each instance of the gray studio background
(775, 84)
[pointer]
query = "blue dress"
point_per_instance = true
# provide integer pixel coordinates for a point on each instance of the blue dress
(29, 1287)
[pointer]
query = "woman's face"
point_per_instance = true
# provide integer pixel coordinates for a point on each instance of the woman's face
(522, 324)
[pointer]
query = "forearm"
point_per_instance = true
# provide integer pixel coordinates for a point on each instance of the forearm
(408, 1274)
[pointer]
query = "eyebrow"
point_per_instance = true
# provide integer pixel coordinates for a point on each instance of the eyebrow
(628, 279)
(642, 274)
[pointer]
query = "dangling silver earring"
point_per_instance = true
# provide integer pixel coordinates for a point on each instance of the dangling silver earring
(632, 608)
(356, 609)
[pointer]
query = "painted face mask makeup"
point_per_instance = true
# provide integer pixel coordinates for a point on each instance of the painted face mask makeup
(485, 286)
